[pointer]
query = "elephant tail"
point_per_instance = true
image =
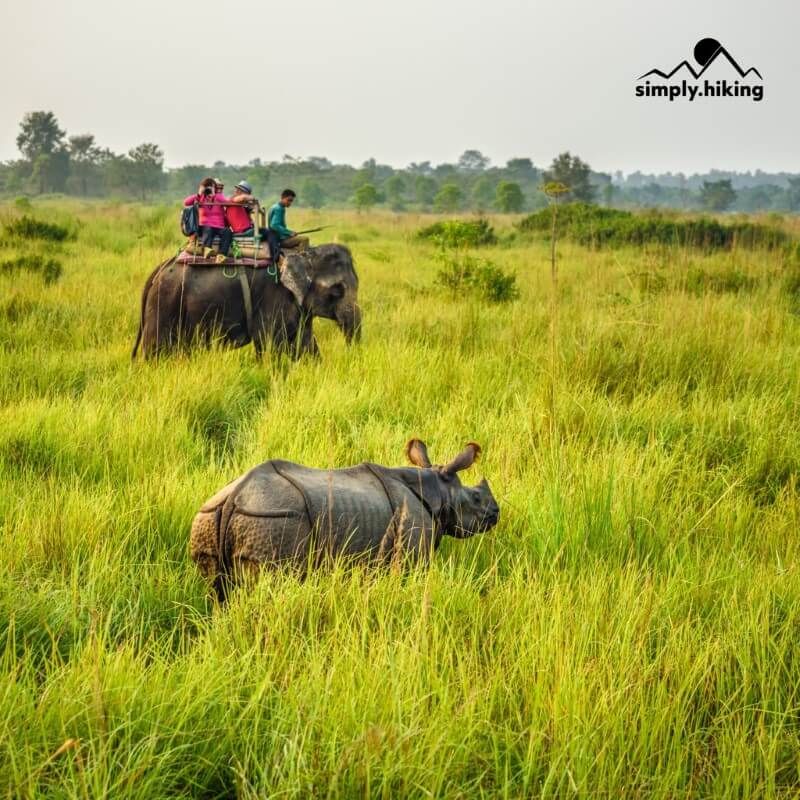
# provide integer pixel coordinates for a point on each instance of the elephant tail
(147, 286)
(138, 340)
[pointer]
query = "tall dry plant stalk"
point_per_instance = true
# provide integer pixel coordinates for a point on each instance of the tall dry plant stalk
(554, 191)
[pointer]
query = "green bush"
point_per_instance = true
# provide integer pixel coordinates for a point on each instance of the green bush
(30, 228)
(463, 274)
(459, 233)
(49, 268)
(700, 282)
(611, 227)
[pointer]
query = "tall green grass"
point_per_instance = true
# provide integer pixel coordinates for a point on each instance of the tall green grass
(629, 629)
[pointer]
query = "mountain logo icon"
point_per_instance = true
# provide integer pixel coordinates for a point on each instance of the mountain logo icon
(706, 52)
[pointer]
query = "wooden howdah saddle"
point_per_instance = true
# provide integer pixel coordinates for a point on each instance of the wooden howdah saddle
(243, 252)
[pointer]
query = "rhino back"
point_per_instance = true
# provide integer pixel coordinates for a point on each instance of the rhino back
(284, 510)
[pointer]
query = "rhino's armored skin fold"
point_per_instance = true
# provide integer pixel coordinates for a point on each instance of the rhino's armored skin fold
(281, 513)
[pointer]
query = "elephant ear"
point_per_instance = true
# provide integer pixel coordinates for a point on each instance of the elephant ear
(296, 275)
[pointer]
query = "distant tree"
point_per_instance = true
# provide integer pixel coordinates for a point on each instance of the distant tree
(509, 197)
(444, 171)
(759, 198)
(362, 177)
(717, 195)
(608, 194)
(685, 196)
(793, 194)
(420, 168)
(520, 166)
(652, 194)
(482, 193)
(145, 168)
(365, 197)
(425, 190)
(84, 156)
(184, 180)
(39, 135)
(573, 173)
(319, 162)
(13, 180)
(117, 174)
(311, 194)
(395, 188)
(50, 171)
(449, 198)
(473, 161)
(602, 180)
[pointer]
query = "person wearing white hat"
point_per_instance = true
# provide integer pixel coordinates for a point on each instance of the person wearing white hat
(239, 210)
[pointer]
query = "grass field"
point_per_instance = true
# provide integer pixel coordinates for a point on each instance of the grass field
(629, 629)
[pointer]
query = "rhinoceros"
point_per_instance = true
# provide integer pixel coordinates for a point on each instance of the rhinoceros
(280, 513)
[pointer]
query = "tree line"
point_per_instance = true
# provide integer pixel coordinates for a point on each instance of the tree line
(53, 162)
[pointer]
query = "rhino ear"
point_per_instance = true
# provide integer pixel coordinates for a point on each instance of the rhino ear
(417, 453)
(296, 275)
(464, 460)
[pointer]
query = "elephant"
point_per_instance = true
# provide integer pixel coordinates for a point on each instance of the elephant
(183, 304)
(283, 514)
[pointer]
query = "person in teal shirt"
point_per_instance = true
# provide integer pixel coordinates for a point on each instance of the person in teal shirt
(277, 222)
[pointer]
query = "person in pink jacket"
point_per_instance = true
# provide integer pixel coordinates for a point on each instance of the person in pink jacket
(212, 219)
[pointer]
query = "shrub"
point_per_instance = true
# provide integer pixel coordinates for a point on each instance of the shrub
(49, 268)
(459, 233)
(30, 228)
(22, 203)
(589, 224)
(463, 273)
(699, 281)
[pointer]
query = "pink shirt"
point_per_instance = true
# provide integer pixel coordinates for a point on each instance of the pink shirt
(213, 216)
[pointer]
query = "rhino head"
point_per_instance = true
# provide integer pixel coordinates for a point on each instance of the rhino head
(465, 510)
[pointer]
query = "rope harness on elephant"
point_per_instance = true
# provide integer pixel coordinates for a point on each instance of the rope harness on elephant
(248, 300)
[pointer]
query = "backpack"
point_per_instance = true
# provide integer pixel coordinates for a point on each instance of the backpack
(190, 220)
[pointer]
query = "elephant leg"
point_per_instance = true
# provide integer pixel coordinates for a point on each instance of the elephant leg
(159, 336)
(261, 333)
(306, 342)
(309, 344)
(285, 337)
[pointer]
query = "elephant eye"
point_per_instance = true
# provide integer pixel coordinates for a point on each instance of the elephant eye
(337, 290)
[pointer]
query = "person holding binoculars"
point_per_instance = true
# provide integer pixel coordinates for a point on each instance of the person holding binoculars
(211, 208)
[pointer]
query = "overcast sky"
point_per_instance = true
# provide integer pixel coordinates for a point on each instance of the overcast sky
(403, 81)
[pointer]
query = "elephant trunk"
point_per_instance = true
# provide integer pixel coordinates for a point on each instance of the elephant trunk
(348, 318)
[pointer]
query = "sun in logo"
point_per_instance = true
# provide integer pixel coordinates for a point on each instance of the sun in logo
(705, 50)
